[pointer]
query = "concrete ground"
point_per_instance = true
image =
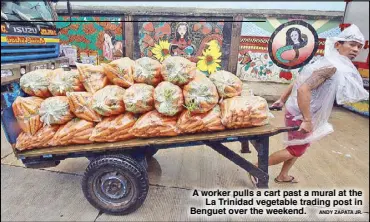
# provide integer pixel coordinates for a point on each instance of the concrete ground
(341, 160)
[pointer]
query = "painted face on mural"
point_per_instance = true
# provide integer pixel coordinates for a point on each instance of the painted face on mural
(182, 29)
(295, 37)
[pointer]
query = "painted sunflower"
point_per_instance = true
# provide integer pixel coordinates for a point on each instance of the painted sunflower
(161, 51)
(209, 62)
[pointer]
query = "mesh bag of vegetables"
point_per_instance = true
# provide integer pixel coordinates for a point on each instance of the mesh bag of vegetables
(108, 101)
(26, 111)
(92, 77)
(39, 140)
(114, 128)
(242, 112)
(139, 98)
(200, 95)
(168, 99)
(120, 72)
(154, 124)
(76, 131)
(203, 122)
(147, 71)
(35, 83)
(228, 85)
(80, 103)
(55, 110)
(62, 82)
(178, 70)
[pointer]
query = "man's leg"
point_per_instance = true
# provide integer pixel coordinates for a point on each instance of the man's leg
(279, 156)
(284, 176)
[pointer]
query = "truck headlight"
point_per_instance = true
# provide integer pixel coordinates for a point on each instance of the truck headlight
(23, 70)
(6, 73)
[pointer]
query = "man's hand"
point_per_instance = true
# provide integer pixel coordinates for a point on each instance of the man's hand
(306, 127)
(278, 104)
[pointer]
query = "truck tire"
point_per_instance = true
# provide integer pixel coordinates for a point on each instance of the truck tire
(150, 152)
(115, 184)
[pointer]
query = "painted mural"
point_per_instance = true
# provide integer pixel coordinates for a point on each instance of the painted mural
(254, 61)
(97, 39)
(201, 42)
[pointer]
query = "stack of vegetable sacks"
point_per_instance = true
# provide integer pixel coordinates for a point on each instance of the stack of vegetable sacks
(126, 99)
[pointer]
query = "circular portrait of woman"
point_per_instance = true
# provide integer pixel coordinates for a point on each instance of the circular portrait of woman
(293, 44)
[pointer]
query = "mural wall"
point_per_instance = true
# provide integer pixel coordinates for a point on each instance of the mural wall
(254, 62)
(206, 43)
(97, 39)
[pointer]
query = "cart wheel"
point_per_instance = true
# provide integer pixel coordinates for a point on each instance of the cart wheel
(150, 152)
(115, 184)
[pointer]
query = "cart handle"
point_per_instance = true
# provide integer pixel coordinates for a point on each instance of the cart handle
(275, 108)
(288, 129)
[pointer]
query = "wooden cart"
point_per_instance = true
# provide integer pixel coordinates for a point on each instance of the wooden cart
(116, 180)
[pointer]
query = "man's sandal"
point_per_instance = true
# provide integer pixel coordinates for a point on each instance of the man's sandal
(286, 181)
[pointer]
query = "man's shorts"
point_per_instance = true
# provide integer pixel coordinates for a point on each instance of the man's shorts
(295, 150)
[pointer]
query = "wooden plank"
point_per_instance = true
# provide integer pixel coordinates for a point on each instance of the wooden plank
(140, 142)
(235, 41)
(129, 36)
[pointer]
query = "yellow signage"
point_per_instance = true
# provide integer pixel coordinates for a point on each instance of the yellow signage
(3, 29)
(48, 32)
(24, 40)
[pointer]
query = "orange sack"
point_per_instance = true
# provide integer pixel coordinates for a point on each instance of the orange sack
(154, 124)
(55, 110)
(114, 128)
(178, 70)
(147, 71)
(168, 99)
(35, 83)
(200, 95)
(242, 112)
(204, 122)
(92, 77)
(108, 101)
(228, 85)
(62, 82)
(39, 140)
(26, 111)
(76, 131)
(80, 104)
(120, 72)
(139, 98)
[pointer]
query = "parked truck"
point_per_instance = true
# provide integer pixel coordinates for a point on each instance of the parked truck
(29, 41)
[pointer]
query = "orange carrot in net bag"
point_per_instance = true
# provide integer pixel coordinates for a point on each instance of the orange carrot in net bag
(228, 85)
(80, 104)
(168, 99)
(62, 82)
(147, 71)
(26, 111)
(114, 128)
(154, 124)
(76, 131)
(200, 95)
(92, 77)
(203, 122)
(178, 70)
(35, 83)
(120, 72)
(55, 110)
(139, 98)
(109, 101)
(246, 111)
(39, 140)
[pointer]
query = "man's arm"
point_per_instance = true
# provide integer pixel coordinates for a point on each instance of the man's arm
(284, 97)
(317, 78)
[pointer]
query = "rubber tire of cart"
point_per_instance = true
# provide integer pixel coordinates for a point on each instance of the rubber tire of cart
(150, 152)
(134, 173)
